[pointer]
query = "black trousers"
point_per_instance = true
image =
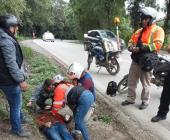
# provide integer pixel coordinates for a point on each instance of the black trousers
(165, 97)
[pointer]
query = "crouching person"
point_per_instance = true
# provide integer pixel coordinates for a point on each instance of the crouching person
(43, 92)
(78, 99)
(53, 126)
(81, 77)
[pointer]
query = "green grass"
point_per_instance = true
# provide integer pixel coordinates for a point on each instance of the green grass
(21, 37)
(106, 119)
(40, 69)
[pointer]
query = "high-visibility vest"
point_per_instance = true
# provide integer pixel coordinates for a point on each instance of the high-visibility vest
(59, 96)
(152, 37)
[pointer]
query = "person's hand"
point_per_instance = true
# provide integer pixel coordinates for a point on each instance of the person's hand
(135, 50)
(47, 107)
(23, 86)
(29, 104)
(67, 118)
(130, 48)
(48, 124)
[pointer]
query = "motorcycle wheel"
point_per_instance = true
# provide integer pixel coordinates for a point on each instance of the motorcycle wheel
(113, 66)
(122, 87)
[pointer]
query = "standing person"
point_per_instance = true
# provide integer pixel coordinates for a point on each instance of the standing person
(148, 39)
(165, 99)
(12, 79)
(78, 99)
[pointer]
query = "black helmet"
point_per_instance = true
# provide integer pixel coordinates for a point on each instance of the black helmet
(8, 20)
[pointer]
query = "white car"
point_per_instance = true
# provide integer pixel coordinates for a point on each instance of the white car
(48, 36)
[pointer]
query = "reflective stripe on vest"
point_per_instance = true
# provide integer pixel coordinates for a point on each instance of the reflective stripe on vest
(151, 45)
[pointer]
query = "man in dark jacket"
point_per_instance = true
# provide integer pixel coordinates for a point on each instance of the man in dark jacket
(12, 79)
(42, 92)
(165, 98)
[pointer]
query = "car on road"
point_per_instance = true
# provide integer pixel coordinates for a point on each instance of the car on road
(48, 36)
(106, 34)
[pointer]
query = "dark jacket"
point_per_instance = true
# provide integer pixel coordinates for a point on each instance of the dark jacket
(87, 82)
(74, 94)
(40, 96)
(11, 59)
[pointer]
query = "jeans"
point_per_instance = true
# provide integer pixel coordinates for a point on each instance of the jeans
(57, 132)
(14, 97)
(86, 99)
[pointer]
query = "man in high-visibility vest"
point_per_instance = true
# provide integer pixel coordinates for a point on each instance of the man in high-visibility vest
(148, 39)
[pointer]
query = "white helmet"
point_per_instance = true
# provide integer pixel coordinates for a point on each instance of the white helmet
(149, 11)
(57, 79)
(75, 70)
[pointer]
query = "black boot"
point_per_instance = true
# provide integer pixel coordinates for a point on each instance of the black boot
(158, 118)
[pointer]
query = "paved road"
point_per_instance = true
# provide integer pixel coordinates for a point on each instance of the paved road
(70, 52)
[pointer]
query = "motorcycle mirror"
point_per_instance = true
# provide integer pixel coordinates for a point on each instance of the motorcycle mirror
(85, 35)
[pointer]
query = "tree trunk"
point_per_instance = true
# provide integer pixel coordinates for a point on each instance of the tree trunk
(167, 21)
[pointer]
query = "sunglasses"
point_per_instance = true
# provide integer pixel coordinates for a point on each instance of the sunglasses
(70, 73)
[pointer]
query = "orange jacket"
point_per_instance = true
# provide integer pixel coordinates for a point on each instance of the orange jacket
(59, 96)
(152, 37)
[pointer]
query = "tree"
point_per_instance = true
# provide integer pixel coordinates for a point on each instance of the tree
(16, 7)
(38, 16)
(167, 20)
(96, 14)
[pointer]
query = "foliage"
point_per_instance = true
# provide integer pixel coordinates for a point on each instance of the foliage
(40, 69)
(96, 14)
(124, 28)
(167, 20)
(106, 119)
(71, 20)
(16, 7)
(38, 17)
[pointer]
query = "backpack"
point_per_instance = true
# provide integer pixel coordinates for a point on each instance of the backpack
(112, 88)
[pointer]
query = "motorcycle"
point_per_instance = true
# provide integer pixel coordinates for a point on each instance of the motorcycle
(158, 78)
(104, 52)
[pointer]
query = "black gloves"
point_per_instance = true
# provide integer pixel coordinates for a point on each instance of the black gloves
(144, 49)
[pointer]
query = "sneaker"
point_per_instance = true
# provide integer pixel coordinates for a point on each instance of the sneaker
(77, 135)
(22, 134)
(126, 102)
(158, 118)
(143, 106)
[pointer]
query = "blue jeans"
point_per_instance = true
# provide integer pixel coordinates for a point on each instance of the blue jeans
(14, 97)
(58, 131)
(85, 101)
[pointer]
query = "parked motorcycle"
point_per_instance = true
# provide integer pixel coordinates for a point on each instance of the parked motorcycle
(104, 52)
(157, 79)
